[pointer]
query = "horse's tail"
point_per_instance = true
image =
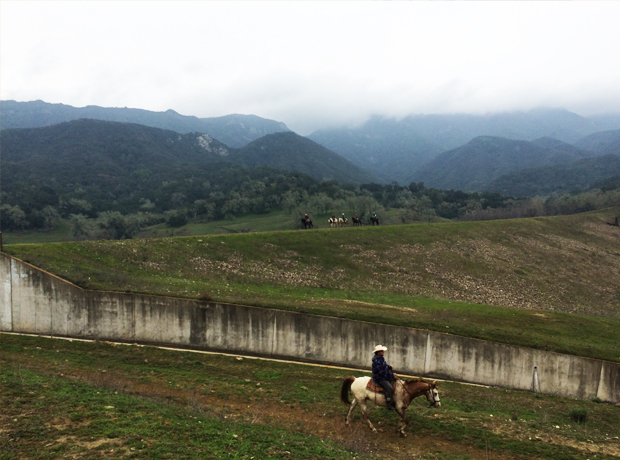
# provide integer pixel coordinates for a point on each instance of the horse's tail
(344, 391)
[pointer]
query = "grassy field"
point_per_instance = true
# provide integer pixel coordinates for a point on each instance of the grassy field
(547, 283)
(272, 221)
(78, 399)
(61, 233)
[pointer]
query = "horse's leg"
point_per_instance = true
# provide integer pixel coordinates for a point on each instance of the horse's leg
(364, 409)
(403, 420)
(347, 419)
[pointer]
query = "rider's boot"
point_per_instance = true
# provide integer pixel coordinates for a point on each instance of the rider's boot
(390, 404)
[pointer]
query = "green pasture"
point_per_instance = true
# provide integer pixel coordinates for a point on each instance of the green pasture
(77, 399)
(62, 232)
(272, 221)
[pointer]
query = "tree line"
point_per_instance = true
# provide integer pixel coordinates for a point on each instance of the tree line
(116, 209)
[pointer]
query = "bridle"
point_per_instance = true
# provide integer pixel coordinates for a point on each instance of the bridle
(435, 401)
(430, 389)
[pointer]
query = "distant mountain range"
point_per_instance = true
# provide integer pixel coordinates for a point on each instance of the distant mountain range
(233, 130)
(396, 149)
(73, 150)
(519, 153)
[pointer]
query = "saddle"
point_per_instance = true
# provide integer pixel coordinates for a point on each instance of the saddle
(372, 386)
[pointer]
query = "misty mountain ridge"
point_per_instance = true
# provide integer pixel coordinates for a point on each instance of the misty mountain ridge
(476, 164)
(388, 149)
(233, 130)
(381, 142)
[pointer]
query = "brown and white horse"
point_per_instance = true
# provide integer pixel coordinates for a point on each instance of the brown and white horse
(333, 222)
(404, 393)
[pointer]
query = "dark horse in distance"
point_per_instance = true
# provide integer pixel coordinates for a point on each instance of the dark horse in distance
(307, 222)
(374, 220)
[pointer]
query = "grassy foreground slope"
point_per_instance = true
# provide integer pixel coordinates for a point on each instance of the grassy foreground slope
(74, 399)
(549, 283)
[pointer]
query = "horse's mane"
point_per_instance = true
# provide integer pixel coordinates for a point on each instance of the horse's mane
(416, 381)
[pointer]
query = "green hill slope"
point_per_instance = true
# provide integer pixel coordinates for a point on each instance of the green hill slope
(292, 152)
(548, 283)
(107, 164)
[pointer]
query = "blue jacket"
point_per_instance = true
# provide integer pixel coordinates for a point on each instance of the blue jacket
(381, 370)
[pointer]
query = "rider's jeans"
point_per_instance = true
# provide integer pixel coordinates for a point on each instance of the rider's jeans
(387, 386)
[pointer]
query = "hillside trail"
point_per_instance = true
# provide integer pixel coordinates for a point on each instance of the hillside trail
(234, 408)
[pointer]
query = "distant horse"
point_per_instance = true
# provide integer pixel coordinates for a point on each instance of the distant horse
(357, 222)
(374, 220)
(343, 222)
(306, 222)
(404, 392)
(333, 222)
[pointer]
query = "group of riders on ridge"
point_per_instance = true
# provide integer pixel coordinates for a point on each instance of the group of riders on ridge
(307, 222)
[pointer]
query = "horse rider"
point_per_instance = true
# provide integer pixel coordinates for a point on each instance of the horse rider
(344, 219)
(374, 215)
(382, 374)
(307, 219)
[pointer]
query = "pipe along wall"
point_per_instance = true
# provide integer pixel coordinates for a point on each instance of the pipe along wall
(33, 301)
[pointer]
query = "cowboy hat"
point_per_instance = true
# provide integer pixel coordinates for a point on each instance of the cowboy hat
(379, 348)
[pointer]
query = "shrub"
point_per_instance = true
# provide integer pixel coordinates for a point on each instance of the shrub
(205, 297)
(579, 415)
(177, 219)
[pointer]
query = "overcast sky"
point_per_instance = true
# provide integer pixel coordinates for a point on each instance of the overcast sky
(313, 64)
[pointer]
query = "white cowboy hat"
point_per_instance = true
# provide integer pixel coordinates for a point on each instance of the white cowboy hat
(379, 348)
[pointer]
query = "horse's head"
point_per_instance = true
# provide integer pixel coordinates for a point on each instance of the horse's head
(432, 395)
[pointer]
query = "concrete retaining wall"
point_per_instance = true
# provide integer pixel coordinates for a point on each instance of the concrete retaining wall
(37, 302)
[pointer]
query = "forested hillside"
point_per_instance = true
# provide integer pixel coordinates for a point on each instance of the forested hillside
(560, 178)
(111, 180)
(603, 143)
(292, 152)
(121, 177)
